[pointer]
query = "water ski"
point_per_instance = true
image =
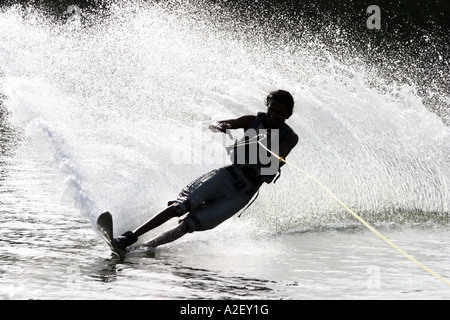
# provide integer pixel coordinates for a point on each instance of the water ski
(105, 227)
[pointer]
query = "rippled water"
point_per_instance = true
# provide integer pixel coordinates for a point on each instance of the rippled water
(110, 115)
(51, 252)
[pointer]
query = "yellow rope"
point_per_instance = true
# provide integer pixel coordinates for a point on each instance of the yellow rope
(421, 265)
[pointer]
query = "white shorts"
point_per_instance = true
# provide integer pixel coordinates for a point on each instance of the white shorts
(215, 197)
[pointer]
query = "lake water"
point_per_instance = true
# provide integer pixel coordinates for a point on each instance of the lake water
(110, 114)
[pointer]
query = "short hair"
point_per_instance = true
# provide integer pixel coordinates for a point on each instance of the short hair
(283, 97)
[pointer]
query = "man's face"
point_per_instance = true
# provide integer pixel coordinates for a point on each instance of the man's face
(277, 113)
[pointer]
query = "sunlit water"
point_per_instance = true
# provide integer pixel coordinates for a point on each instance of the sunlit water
(111, 113)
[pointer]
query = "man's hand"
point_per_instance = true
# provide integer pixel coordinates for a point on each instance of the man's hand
(219, 126)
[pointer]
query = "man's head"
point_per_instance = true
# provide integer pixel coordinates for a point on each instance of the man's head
(280, 105)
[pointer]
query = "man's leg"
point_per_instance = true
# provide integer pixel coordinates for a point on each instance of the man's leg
(170, 212)
(202, 189)
(168, 236)
(128, 238)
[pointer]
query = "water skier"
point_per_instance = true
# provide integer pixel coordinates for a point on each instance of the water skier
(218, 195)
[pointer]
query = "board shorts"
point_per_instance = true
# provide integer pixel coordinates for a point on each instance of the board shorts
(215, 197)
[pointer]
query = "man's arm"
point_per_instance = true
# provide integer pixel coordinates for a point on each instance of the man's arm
(289, 142)
(238, 123)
